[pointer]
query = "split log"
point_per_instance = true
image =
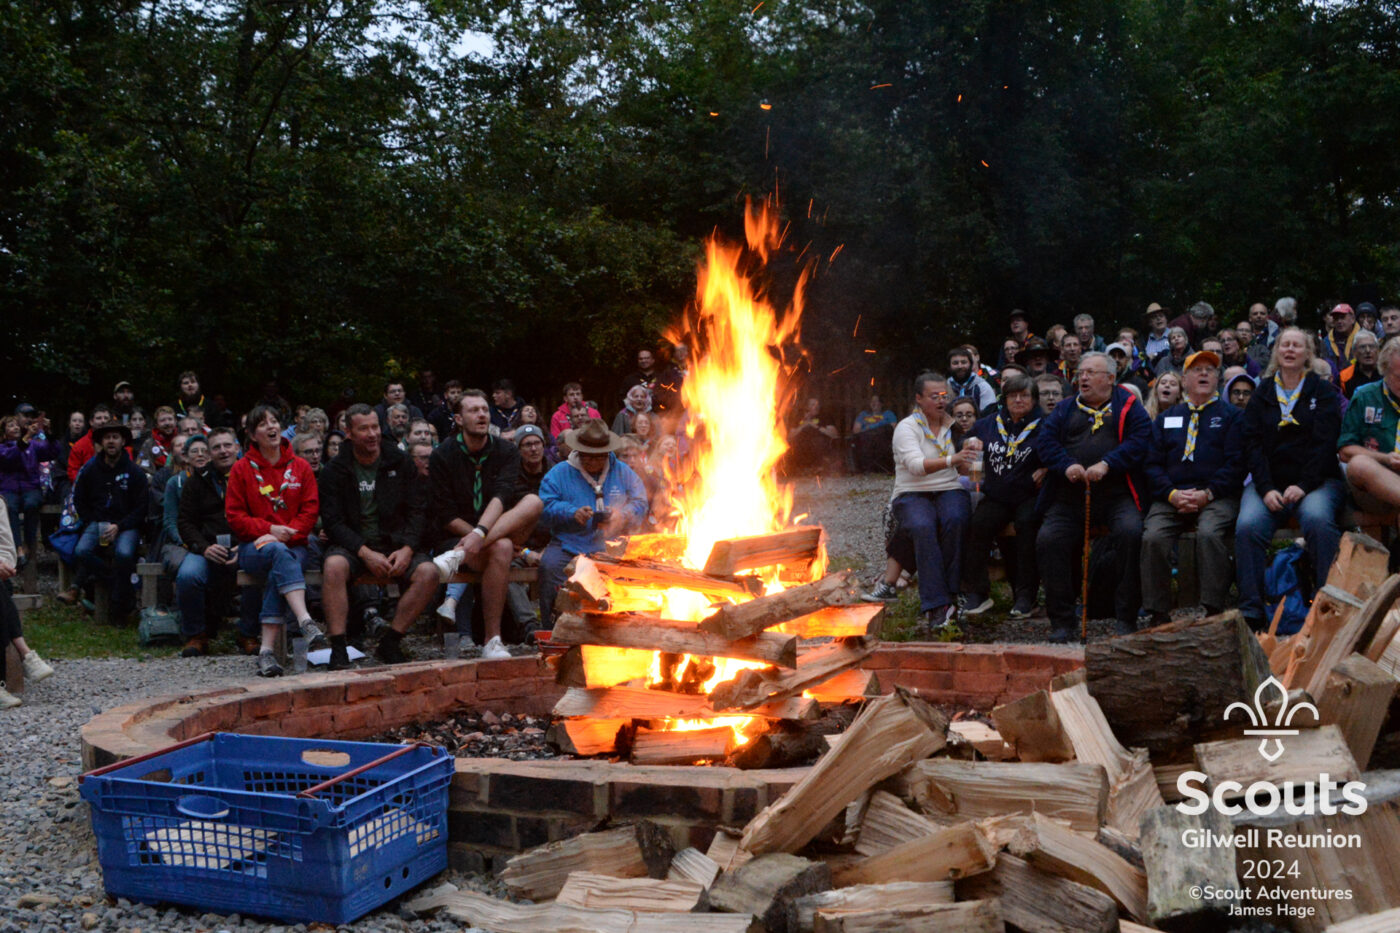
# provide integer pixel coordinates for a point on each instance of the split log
(1356, 698)
(600, 666)
(1310, 753)
(658, 547)
(1124, 847)
(1050, 847)
(1032, 727)
(1132, 786)
(1385, 634)
(640, 850)
(585, 580)
(643, 895)
(658, 576)
(692, 746)
(749, 618)
(982, 737)
(726, 852)
(889, 823)
(764, 886)
(1176, 873)
(478, 910)
(1370, 870)
(888, 734)
(639, 630)
(1360, 565)
(946, 854)
(778, 749)
(750, 688)
(967, 917)
(644, 703)
(792, 546)
(694, 866)
(1037, 902)
(971, 790)
(838, 622)
(1193, 670)
(1340, 622)
(846, 686)
(586, 737)
(801, 915)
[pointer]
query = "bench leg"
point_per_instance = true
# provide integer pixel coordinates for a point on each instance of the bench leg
(149, 584)
(14, 670)
(101, 603)
(1188, 585)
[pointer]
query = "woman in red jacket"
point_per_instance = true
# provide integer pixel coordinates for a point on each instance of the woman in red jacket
(271, 506)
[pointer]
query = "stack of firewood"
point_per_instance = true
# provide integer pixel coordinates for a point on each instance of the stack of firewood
(608, 617)
(1059, 816)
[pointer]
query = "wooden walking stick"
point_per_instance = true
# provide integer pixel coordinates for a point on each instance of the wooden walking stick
(1084, 572)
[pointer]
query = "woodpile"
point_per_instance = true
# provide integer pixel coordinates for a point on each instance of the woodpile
(1057, 816)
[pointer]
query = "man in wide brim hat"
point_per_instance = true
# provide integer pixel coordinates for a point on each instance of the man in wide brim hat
(115, 427)
(1035, 356)
(593, 438)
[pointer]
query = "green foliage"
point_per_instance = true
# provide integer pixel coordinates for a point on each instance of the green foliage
(310, 189)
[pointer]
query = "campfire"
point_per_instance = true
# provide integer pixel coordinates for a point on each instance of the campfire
(687, 647)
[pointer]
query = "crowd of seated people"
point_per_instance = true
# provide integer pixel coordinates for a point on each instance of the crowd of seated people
(1189, 426)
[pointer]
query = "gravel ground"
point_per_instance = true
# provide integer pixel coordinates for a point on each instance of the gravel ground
(49, 877)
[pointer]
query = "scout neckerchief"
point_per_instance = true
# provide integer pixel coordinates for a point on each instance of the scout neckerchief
(1287, 399)
(276, 497)
(942, 446)
(1395, 407)
(597, 487)
(1098, 414)
(1190, 453)
(478, 460)
(1344, 351)
(1013, 443)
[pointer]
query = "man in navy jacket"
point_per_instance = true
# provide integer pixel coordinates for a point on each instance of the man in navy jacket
(1098, 440)
(1196, 471)
(111, 497)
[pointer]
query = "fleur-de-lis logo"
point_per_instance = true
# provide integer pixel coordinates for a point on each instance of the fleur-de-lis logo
(1283, 720)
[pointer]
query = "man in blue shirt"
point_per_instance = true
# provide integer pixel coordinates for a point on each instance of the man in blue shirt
(587, 499)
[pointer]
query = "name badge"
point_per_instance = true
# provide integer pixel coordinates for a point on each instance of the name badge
(1175, 421)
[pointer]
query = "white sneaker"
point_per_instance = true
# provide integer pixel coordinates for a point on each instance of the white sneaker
(8, 700)
(448, 609)
(494, 650)
(447, 563)
(36, 668)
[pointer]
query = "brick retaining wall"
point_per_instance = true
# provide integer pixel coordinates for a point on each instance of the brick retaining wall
(499, 807)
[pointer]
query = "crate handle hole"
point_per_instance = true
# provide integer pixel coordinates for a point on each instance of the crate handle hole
(388, 882)
(325, 757)
(405, 871)
(202, 806)
(162, 775)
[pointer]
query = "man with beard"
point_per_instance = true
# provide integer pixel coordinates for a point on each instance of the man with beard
(373, 505)
(111, 497)
(475, 509)
(963, 382)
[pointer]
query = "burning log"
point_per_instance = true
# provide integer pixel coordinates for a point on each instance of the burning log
(636, 630)
(777, 749)
(647, 547)
(1037, 902)
(839, 622)
(751, 688)
(1050, 847)
(642, 703)
(750, 618)
(847, 686)
(764, 887)
(587, 736)
(966, 917)
(802, 912)
(641, 850)
(600, 666)
(668, 747)
(644, 895)
(654, 575)
(1076, 793)
(891, 732)
(793, 546)
(946, 854)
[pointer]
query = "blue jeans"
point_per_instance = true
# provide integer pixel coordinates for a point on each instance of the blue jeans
(554, 562)
(932, 527)
(1317, 514)
(123, 553)
(282, 566)
(196, 582)
(27, 502)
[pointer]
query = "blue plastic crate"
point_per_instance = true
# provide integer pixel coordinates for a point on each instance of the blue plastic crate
(224, 823)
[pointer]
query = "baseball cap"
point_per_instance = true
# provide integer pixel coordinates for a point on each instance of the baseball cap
(1341, 309)
(119, 386)
(1202, 356)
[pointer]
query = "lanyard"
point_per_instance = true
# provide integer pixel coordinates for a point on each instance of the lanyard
(1190, 453)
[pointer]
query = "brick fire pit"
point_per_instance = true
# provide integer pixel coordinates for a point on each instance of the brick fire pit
(499, 807)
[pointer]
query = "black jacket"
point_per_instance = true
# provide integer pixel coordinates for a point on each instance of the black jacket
(400, 495)
(202, 517)
(117, 494)
(1302, 454)
(452, 474)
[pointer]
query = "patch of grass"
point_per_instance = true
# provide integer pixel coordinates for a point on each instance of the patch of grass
(837, 562)
(902, 616)
(60, 631)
